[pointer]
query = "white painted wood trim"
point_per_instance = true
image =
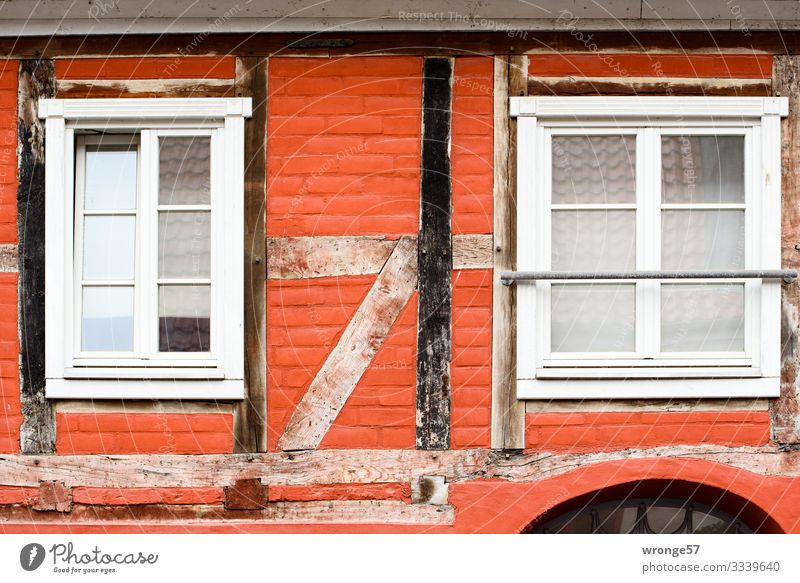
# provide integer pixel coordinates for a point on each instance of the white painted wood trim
(60, 388)
(146, 108)
(649, 107)
(683, 388)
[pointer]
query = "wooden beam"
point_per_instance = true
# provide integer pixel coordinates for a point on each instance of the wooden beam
(38, 429)
(785, 411)
(306, 512)
(250, 414)
(403, 42)
(358, 466)
(648, 86)
(356, 348)
(313, 257)
(69, 88)
(435, 258)
(9, 259)
(508, 413)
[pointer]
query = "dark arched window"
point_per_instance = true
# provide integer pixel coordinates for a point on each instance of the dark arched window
(643, 516)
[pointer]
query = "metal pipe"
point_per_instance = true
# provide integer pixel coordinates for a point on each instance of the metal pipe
(787, 275)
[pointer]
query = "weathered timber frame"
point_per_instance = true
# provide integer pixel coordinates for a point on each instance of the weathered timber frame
(435, 258)
(38, 430)
(250, 414)
(508, 413)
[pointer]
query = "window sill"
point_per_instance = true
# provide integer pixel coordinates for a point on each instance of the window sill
(116, 388)
(654, 372)
(661, 388)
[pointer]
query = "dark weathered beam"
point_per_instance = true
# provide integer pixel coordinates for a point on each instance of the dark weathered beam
(435, 259)
(250, 414)
(38, 430)
(403, 42)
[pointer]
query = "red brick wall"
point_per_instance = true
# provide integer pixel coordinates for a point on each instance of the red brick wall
(344, 144)
(587, 432)
(10, 415)
(131, 433)
(343, 159)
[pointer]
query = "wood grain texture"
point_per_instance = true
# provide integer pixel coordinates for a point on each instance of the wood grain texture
(785, 411)
(9, 258)
(356, 348)
(508, 413)
(648, 86)
(144, 88)
(38, 430)
(313, 257)
(250, 414)
(435, 258)
(356, 466)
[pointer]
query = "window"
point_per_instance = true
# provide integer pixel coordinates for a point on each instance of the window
(144, 248)
(647, 223)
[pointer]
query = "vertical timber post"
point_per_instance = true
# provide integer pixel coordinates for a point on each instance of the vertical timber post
(435, 258)
(508, 413)
(38, 429)
(250, 414)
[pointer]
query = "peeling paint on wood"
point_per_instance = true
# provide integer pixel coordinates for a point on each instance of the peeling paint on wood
(145, 88)
(356, 348)
(9, 260)
(647, 86)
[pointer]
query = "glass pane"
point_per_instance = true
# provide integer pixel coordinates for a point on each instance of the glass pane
(110, 177)
(702, 317)
(184, 318)
(592, 318)
(693, 239)
(697, 169)
(594, 169)
(184, 170)
(108, 247)
(184, 244)
(107, 319)
(593, 240)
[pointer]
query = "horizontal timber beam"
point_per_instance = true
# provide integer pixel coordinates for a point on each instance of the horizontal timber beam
(355, 466)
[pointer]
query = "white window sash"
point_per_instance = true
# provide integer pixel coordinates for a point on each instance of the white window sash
(647, 373)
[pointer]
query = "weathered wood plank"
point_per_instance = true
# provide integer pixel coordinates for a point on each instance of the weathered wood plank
(356, 466)
(785, 411)
(38, 429)
(144, 88)
(508, 413)
(648, 86)
(313, 257)
(311, 512)
(473, 252)
(435, 259)
(9, 260)
(250, 414)
(356, 348)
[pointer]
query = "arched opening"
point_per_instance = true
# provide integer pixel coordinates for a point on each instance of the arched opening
(655, 506)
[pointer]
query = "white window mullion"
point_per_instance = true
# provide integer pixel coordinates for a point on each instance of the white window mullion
(147, 265)
(650, 235)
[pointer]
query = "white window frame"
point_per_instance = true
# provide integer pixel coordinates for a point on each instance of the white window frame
(756, 372)
(217, 374)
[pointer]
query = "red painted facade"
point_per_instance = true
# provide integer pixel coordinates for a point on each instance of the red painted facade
(343, 159)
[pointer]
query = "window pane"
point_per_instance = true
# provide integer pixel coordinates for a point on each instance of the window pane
(592, 318)
(184, 244)
(593, 240)
(108, 247)
(702, 317)
(697, 169)
(110, 177)
(107, 319)
(184, 318)
(184, 175)
(594, 169)
(708, 239)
